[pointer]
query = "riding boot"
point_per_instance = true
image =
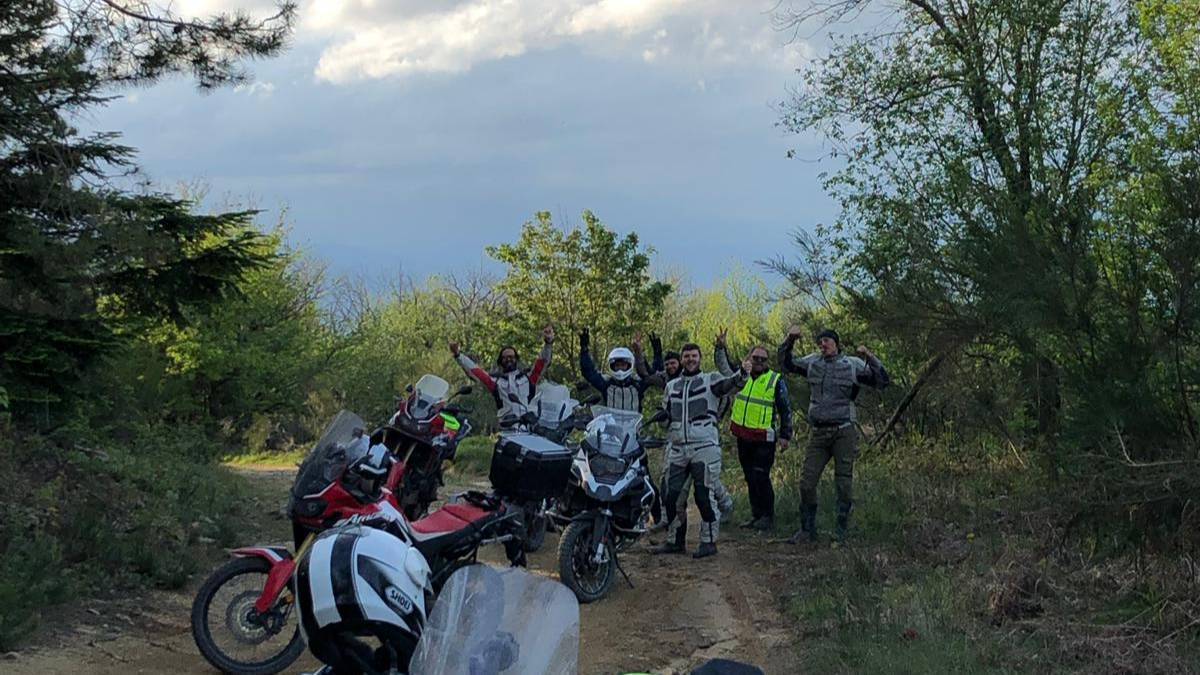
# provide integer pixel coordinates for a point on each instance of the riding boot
(764, 524)
(808, 524)
(843, 520)
(672, 545)
(705, 550)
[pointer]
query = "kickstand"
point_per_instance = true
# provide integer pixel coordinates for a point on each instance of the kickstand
(622, 569)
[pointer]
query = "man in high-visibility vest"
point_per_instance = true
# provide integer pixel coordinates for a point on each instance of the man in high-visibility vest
(760, 420)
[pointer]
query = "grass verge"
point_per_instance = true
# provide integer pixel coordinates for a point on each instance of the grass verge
(77, 517)
(965, 562)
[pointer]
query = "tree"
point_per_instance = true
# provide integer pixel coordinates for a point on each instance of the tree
(1020, 186)
(972, 144)
(78, 256)
(584, 278)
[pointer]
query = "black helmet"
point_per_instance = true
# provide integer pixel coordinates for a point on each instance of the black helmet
(366, 475)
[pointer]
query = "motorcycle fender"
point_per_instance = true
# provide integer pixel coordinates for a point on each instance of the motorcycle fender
(282, 567)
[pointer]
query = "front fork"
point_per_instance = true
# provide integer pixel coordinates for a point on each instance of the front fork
(600, 540)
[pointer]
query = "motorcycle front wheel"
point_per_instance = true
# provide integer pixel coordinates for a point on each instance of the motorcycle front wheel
(235, 638)
(577, 567)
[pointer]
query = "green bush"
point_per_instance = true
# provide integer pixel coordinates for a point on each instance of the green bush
(474, 458)
(31, 578)
(140, 511)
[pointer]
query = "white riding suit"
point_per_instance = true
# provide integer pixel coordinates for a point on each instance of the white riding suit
(693, 403)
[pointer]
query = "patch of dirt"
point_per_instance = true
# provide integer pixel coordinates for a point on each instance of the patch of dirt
(680, 613)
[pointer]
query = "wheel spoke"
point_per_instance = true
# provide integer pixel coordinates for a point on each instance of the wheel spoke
(236, 628)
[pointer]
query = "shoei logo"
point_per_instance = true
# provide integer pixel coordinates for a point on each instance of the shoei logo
(399, 599)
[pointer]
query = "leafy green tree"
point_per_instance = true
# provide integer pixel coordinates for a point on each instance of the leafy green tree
(78, 256)
(587, 277)
(972, 140)
(1019, 194)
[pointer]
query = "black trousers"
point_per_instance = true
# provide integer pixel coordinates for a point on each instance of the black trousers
(757, 458)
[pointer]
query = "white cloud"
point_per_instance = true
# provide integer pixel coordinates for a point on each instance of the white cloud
(370, 39)
(259, 89)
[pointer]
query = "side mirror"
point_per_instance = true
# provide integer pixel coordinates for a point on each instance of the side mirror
(464, 390)
(583, 385)
(408, 389)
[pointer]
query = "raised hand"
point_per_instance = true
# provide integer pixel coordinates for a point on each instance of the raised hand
(795, 332)
(864, 352)
(637, 342)
(454, 346)
(585, 339)
(722, 332)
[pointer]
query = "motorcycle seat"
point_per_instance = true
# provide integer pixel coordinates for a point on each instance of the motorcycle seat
(451, 526)
(452, 518)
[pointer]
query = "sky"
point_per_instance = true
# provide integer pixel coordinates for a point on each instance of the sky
(405, 136)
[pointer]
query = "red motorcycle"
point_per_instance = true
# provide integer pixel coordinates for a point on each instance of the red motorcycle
(423, 433)
(242, 618)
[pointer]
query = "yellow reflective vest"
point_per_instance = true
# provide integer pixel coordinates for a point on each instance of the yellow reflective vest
(753, 414)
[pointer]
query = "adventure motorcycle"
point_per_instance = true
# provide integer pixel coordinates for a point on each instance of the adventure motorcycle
(551, 416)
(242, 616)
(423, 433)
(605, 507)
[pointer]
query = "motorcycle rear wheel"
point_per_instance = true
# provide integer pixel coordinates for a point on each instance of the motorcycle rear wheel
(590, 581)
(233, 617)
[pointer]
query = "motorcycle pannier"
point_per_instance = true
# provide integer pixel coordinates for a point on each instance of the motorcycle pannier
(525, 466)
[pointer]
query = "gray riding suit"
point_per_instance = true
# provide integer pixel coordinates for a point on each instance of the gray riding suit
(833, 384)
(693, 403)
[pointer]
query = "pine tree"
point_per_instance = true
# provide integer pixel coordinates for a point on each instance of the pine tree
(81, 258)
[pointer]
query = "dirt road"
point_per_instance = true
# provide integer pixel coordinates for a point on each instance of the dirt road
(681, 613)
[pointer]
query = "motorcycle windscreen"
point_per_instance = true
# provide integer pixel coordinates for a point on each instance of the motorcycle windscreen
(328, 457)
(613, 432)
(489, 621)
(553, 404)
(430, 391)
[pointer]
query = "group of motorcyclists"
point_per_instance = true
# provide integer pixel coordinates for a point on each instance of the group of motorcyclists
(752, 394)
(351, 582)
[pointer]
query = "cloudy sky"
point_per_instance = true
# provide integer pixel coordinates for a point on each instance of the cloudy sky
(409, 134)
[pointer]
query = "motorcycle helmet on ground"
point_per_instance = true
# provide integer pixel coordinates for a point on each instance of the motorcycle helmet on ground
(361, 582)
(616, 356)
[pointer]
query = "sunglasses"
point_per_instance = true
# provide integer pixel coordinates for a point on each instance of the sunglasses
(760, 359)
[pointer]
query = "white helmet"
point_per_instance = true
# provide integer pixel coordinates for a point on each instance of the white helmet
(365, 580)
(621, 354)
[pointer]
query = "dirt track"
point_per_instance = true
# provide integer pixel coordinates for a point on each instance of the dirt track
(681, 613)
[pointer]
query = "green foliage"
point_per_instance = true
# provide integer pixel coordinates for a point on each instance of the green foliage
(30, 579)
(80, 508)
(585, 278)
(739, 303)
(81, 261)
(474, 458)
(1020, 197)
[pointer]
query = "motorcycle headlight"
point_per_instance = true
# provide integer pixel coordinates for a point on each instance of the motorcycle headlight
(607, 468)
(308, 508)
